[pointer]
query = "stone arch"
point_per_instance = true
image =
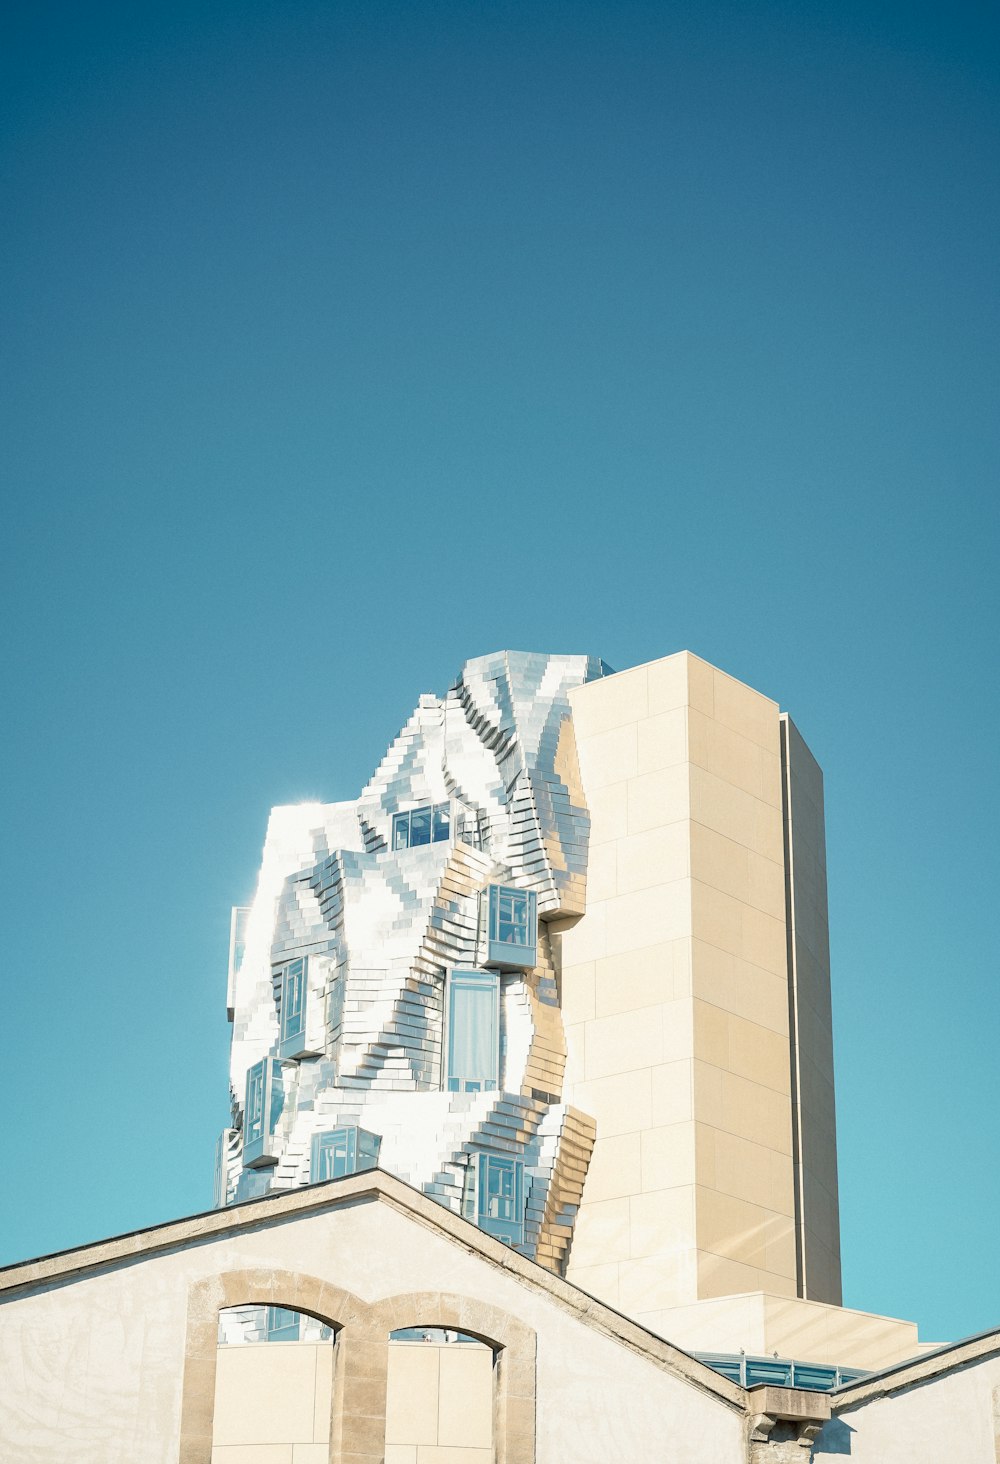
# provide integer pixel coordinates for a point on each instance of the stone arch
(361, 1360)
(340, 1309)
(513, 1344)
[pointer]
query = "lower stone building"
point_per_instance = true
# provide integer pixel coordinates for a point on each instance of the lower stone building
(433, 1343)
(532, 1148)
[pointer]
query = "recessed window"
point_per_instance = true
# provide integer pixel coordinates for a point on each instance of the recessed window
(264, 1101)
(294, 999)
(500, 1197)
(429, 824)
(473, 1022)
(342, 1151)
(513, 927)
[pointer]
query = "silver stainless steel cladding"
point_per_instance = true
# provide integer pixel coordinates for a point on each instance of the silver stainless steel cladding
(397, 980)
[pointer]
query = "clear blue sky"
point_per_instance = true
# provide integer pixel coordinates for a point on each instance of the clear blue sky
(342, 342)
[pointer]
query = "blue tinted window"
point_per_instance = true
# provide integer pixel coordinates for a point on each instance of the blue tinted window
(293, 999)
(237, 937)
(513, 927)
(253, 1121)
(473, 1055)
(510, 916)
(333, 1154)
(501, 1197)
(252, 1184)
(342, 1151)
(429, 824)
(420, 826)
(368, 1147)
(282, 1324)
(276, 1095)
(264, 1101)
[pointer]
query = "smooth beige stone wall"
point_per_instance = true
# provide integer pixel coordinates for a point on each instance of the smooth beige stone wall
(675, 993)
(808, 1331)
(272, 1403)
(439, 1407)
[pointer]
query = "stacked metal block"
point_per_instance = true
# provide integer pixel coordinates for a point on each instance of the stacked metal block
(380, 928)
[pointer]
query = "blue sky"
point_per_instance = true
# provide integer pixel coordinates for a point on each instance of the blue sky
(342, 342)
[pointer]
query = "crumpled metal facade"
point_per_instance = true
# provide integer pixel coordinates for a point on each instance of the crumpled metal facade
(380, 928)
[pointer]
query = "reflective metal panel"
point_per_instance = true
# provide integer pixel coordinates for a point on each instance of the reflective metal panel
(367, 917)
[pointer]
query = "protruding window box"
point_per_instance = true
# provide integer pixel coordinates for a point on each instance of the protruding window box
(340, 1151)
(512, 943)
(500, 1197)
(253, 1184)
(264, 1101)
(294, 1040)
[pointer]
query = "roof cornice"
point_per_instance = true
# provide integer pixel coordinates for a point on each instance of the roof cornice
(379, 1187)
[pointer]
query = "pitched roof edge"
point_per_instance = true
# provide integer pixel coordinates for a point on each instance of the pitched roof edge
(949, 1358)
(373, 1184)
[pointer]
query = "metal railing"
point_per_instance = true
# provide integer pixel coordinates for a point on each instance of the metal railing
(779, 1372)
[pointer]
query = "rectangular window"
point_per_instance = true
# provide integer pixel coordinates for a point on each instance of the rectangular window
(429, 824)
(237, 948)
(473, 1048)
(341, 1151)
(252, 1184)
(264, 1102)
(282, 1324)
(500, 1208)
(513, 927)
(294, 995)
(420, 826)
(221, 1176)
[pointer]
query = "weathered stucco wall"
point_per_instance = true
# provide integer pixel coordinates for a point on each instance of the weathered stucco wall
(108, 1355)
(92, 1369)
(936, 1417)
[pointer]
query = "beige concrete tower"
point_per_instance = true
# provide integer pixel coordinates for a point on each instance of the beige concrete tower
(696, 996)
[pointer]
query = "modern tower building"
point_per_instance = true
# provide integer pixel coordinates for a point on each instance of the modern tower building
(696, 996)
(564, 967)
(561, 971)
(396, 996)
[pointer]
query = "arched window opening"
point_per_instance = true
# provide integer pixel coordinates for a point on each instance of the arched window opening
(440, 1397)
(273, 1384)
